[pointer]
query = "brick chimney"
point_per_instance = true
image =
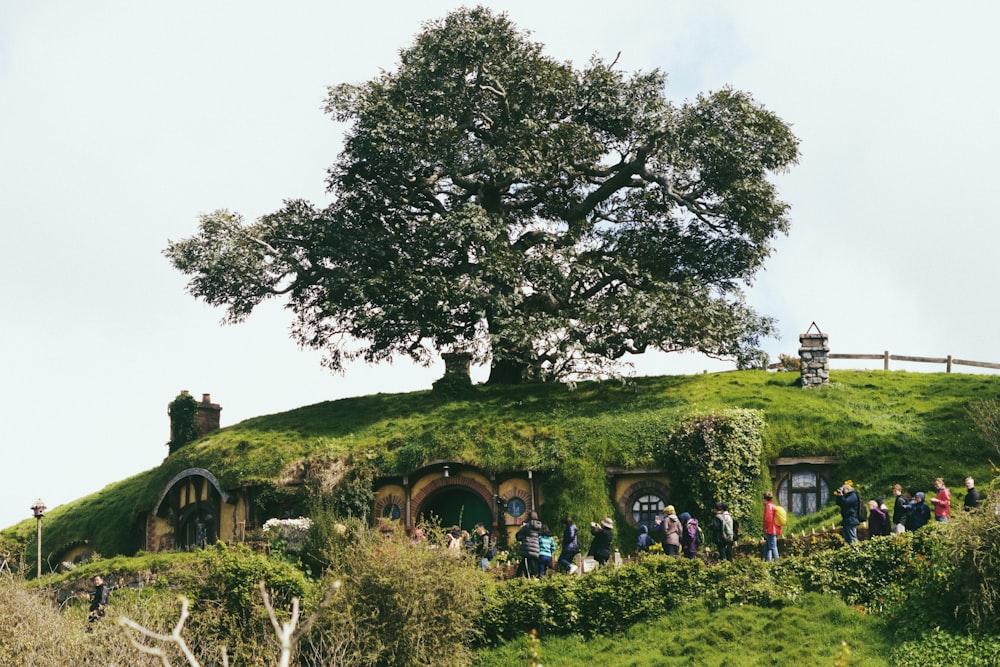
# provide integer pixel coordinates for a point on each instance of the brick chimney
(207, 417)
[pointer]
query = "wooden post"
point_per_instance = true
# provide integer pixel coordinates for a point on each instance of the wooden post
(885, 361)
(949, 364)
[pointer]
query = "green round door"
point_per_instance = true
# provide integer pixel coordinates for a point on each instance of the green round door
(456, 506)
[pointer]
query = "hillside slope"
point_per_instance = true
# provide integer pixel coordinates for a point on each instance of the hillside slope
(884, 427)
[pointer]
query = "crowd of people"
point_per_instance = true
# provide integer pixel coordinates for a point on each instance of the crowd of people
(682, 535)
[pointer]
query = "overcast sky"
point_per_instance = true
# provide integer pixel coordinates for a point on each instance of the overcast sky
(121, 122)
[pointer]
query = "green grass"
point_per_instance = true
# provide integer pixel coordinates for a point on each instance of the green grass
(884, 427)
(805, 634)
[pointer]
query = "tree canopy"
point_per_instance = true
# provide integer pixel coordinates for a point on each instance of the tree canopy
(492, 200)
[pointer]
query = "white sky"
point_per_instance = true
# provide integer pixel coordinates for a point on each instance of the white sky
(122, 121)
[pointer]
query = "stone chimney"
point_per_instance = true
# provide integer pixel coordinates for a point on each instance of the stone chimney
(458, 365)
(814, 357)
(207, 416)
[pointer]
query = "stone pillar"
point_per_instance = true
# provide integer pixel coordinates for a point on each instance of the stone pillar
(458, 365)
(814, 357)
(457, 373)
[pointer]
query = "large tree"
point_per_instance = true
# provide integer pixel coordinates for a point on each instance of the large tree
(493, 200)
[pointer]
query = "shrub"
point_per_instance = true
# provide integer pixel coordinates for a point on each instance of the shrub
(717, 457)
(939, 647)
(227, 609)
(972, 543)
(401, 603)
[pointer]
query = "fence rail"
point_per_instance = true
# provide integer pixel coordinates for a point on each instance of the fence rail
(949, 361)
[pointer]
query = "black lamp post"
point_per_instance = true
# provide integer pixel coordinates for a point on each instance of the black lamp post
(39, 510)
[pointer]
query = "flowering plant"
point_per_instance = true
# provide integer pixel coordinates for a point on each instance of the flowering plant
(288, 534)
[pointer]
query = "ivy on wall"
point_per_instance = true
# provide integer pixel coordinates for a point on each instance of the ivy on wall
(183, 425)
(716, 457)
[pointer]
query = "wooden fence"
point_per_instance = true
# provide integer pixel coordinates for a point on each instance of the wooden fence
(949, 361)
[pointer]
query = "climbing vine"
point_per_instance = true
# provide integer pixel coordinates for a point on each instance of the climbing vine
(716, 457)
(183, 424)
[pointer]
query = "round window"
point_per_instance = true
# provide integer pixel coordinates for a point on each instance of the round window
(515, 507)
(391, 512)
(646, 508)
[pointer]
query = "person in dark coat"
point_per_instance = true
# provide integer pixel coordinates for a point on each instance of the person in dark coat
(899, 510)
(971, 495)
(723, 531)
(878, 522)
(527, 536)
(920, 512)
(850, 510)
(645, 540)
(98, 602)
(600, 548)
(570, 545)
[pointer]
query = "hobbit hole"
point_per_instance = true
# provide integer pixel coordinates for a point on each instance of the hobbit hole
(193, 510)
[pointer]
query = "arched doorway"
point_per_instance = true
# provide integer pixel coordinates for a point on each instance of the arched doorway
(456, 506)
(198, 527)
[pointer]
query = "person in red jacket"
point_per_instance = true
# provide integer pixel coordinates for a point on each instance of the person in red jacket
(771, 529)
(942, 501)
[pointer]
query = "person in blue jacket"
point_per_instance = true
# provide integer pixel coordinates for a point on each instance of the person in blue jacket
(645, 539)
(920, 513)
(850, 511)
(546, 549)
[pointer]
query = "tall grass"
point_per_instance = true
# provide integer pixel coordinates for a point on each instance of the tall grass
(810, 632)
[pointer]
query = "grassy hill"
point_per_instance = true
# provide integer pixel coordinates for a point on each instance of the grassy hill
(884, 427)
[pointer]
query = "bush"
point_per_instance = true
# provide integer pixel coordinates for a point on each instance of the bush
(939, 647)
(226, 607)
(972, 543)
(717, 457)
(400, 602)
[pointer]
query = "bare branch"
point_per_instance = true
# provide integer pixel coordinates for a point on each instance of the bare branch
(173, 638)
(284, 631)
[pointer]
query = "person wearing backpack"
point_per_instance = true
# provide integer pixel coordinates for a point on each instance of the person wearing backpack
(723, 531)
(690, 536)
(771, 529)
(671, 529)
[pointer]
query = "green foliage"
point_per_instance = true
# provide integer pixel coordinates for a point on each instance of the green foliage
(222, 584)
(892, 575)
(985, 415)
(717, 457)
(940, 647)
(183, 423)
(972, 545)
(579, 488)
(809, 631)
(491, 198)
(883, 427)
(400, 603)
(354, 496)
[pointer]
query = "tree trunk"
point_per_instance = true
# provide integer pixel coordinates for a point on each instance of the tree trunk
(507, 371)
